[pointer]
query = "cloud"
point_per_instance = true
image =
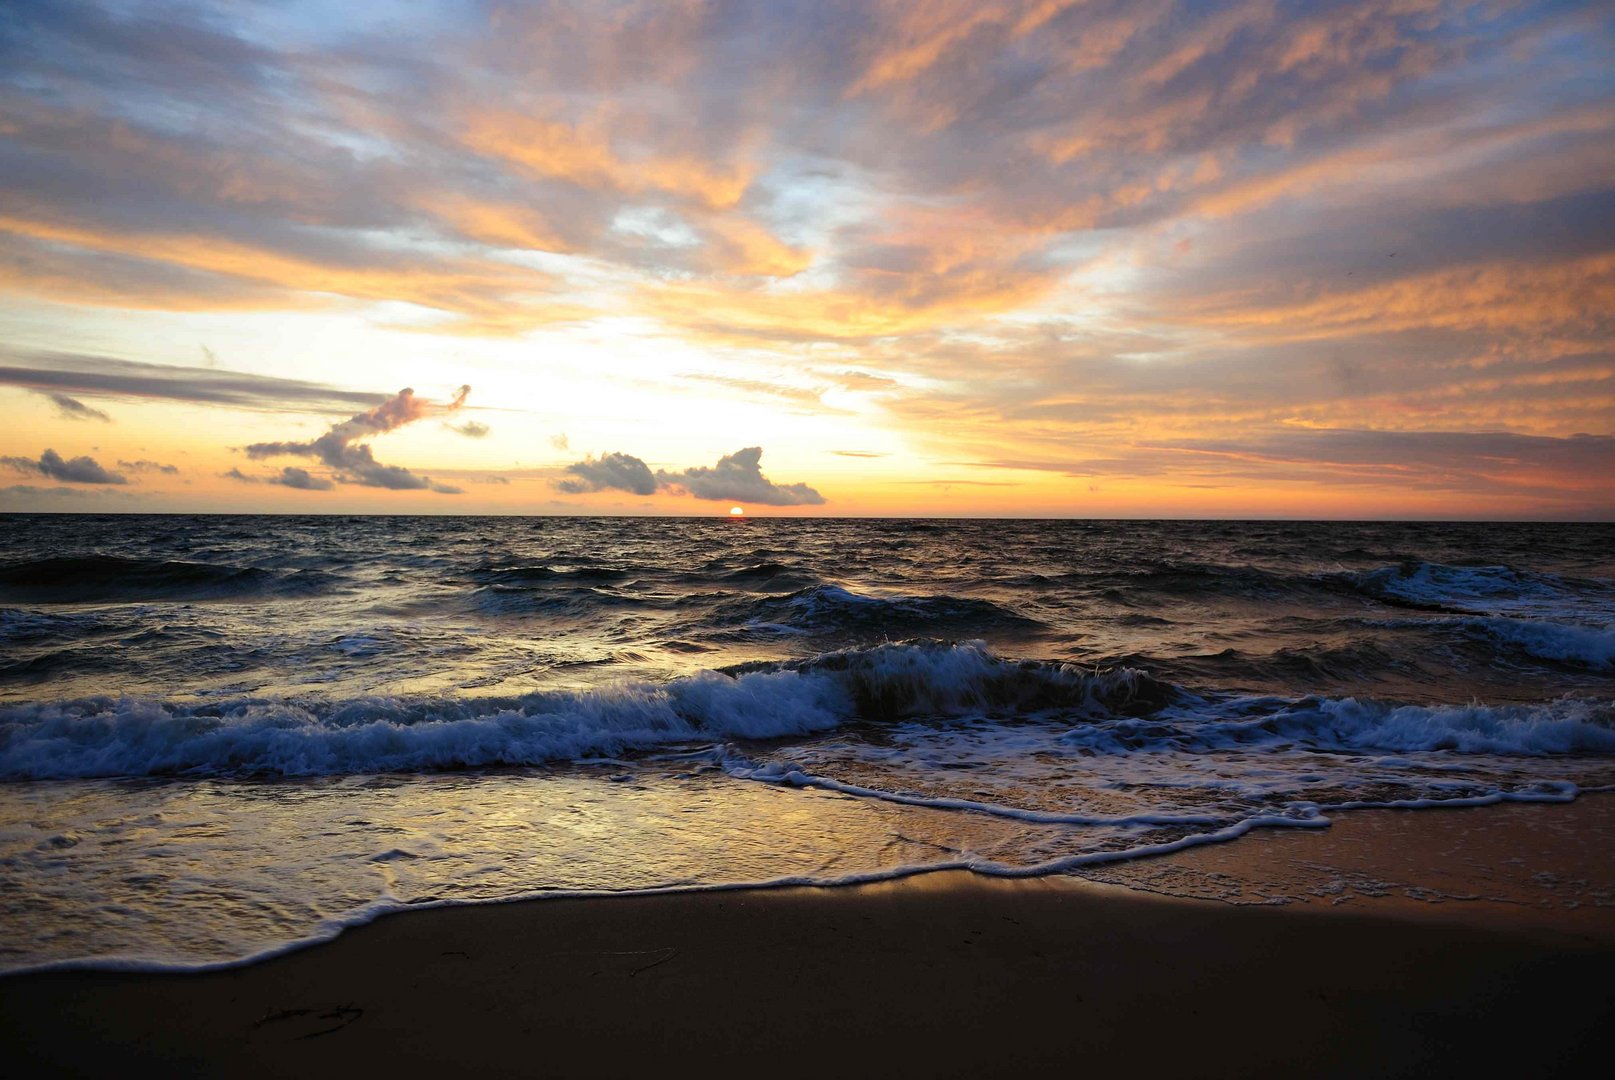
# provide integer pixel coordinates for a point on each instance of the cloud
(145, 466)
(618, 472)
(79, 470)
(343, 450)
(863, 380)
(858, 453)
(1013, 230)
(739, 477)
(293, 477)
(561, 442)
(34, 491)
(1428, 459)
(1556, 474)
(49, 495)
(51, 373)
(758, 387)
(290, 476)
(471, 429)
(72, 409)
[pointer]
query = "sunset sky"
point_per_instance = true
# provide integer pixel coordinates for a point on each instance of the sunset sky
(1140, 258)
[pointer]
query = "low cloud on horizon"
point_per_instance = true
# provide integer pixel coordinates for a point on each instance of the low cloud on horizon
(353, 462)
(80, 470)
(737, 477)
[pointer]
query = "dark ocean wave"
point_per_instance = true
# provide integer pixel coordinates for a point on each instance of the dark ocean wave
(1363, 662)
(763, 576)
(1145, 583)
(1424, 613)
(112, 578)
(513, 577)
(1411, 584)
(830, 609)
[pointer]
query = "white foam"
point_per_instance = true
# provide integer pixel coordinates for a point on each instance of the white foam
(780, 773)
(105, 737)
(140, 737)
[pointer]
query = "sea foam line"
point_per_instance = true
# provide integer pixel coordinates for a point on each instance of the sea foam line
(787, 776)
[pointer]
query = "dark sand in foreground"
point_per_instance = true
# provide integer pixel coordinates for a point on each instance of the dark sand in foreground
(944, 974)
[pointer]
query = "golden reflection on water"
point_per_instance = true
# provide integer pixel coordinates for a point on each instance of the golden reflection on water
(214, 870)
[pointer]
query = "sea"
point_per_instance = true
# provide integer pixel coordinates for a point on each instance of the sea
(222, 737)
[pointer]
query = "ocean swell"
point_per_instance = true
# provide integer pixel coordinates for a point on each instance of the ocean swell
(831, 609)
(111, 578)
(1478, 590)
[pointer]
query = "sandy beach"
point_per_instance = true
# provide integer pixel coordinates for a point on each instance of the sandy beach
(942, 974)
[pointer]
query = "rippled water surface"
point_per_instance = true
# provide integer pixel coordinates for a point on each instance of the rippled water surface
(222, 735)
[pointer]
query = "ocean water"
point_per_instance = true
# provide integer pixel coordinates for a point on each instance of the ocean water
(224, 736)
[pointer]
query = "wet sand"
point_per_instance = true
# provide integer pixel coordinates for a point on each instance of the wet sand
(943, 974)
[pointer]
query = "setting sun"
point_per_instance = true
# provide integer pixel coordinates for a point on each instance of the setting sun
(737, 511)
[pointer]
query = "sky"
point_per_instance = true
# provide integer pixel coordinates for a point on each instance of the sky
(1139, 258)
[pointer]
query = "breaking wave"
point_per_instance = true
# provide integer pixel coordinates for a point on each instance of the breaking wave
(1110, 712)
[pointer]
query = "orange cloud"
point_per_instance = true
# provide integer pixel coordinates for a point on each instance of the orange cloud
(478, 292)
(584, 154)
(1572, 296)
(502, 224)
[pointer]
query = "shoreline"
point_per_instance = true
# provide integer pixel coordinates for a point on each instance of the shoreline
(1235, 866)
(939, 973)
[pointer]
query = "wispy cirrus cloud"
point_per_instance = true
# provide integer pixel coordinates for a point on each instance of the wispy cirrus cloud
(72, 409)
(53, 373)
(146, 465)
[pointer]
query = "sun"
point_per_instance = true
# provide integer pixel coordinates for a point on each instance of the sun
(737, 511)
